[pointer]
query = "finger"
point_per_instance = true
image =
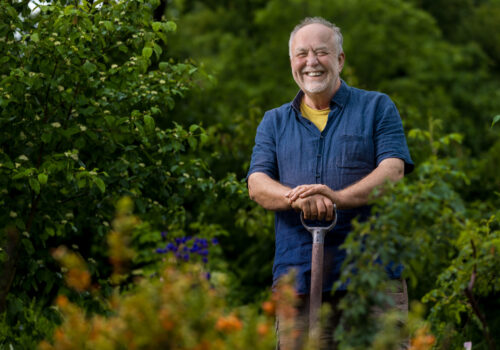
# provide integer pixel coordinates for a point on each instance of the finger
(329, 210)
(321, 209)
(298, 191)
(310, 192)
(306, 210)
(313, 208)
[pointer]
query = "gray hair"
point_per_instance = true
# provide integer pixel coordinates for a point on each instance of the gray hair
(338, 39)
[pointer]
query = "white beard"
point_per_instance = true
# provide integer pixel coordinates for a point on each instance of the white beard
(315, 87)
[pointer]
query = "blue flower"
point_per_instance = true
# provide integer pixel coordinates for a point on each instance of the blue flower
(203, 252)
(171, 247)
(186, 257)
(161, 251)
(163, 234)
(215, 241)
(204, 259)
(195, 248)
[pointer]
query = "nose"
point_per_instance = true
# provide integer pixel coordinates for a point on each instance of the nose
(312, 58)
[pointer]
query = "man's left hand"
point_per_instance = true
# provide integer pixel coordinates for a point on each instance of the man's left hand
(304, 191)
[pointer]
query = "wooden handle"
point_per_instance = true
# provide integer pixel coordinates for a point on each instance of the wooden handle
(316, 285)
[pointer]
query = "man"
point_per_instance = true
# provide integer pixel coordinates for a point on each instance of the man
(333, 144)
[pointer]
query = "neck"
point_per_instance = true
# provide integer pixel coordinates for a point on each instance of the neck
(321, 100)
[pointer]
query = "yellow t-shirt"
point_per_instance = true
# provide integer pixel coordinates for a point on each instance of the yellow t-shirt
(318, 117)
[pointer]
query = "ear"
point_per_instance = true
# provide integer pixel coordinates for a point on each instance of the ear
(341, 59)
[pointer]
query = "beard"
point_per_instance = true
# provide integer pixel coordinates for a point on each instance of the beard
(314, 87)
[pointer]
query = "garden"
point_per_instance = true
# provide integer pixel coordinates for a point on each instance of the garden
(126, 130)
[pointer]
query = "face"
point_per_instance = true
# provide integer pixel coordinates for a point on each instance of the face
(316, 65)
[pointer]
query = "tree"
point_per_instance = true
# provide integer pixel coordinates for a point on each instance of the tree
(85, 94)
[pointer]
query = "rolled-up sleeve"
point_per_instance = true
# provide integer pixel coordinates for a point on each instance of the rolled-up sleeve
(389, 137)
(264, 152)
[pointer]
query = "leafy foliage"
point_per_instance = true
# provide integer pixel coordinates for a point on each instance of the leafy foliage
(103, 99)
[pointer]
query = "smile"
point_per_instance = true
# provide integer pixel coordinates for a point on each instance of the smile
(314, 74)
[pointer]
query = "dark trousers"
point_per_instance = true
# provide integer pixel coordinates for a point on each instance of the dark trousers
(292, 334)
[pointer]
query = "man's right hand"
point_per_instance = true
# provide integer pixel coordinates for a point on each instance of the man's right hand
(315, 207)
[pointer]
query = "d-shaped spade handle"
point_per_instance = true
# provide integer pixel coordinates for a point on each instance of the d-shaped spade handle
(318, 235)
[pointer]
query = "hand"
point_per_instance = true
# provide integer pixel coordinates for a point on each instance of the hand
(315, 207)
(304, 191)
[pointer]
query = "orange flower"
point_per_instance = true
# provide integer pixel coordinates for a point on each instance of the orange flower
(58, 334)
(422, 340)
(268, 307)
(78, 279)
(62, 301)
(262, 329)
(228, 324)
(165, 321)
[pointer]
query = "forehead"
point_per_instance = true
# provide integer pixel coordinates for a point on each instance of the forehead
(313, 35)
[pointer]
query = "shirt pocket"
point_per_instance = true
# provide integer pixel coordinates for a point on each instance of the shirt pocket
(356, 154)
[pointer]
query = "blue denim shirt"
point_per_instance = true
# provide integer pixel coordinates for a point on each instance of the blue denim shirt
(363, 128)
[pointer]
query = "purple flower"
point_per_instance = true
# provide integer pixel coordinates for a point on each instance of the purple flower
(171, 247)
(203, 252)
(163, 234)
(215, 241)
(204, 259)
(208, 275)
(161, 251)
(186, 257)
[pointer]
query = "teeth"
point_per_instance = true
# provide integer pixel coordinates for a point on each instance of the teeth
(314, 74)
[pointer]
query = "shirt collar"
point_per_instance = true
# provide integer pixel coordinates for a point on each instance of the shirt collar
(340, 97)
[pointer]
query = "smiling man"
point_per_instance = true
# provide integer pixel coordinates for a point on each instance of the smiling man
(333, 144)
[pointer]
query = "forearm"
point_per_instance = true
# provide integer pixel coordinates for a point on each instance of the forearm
(268, 193)
(360, 193)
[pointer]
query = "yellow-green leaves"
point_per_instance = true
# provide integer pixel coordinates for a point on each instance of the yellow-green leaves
(147, 52)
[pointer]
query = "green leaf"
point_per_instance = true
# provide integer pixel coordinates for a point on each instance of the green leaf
(149, 123)
(46, 137)
(89, 67)
(156, 26)
(108, 25)
(35, 38)
(42, 178)
(28, 246)
(496, 119)
(100, 184)
(147, 52)
(169, 26)
(193, 142)
(35, 185)
(163, 66)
